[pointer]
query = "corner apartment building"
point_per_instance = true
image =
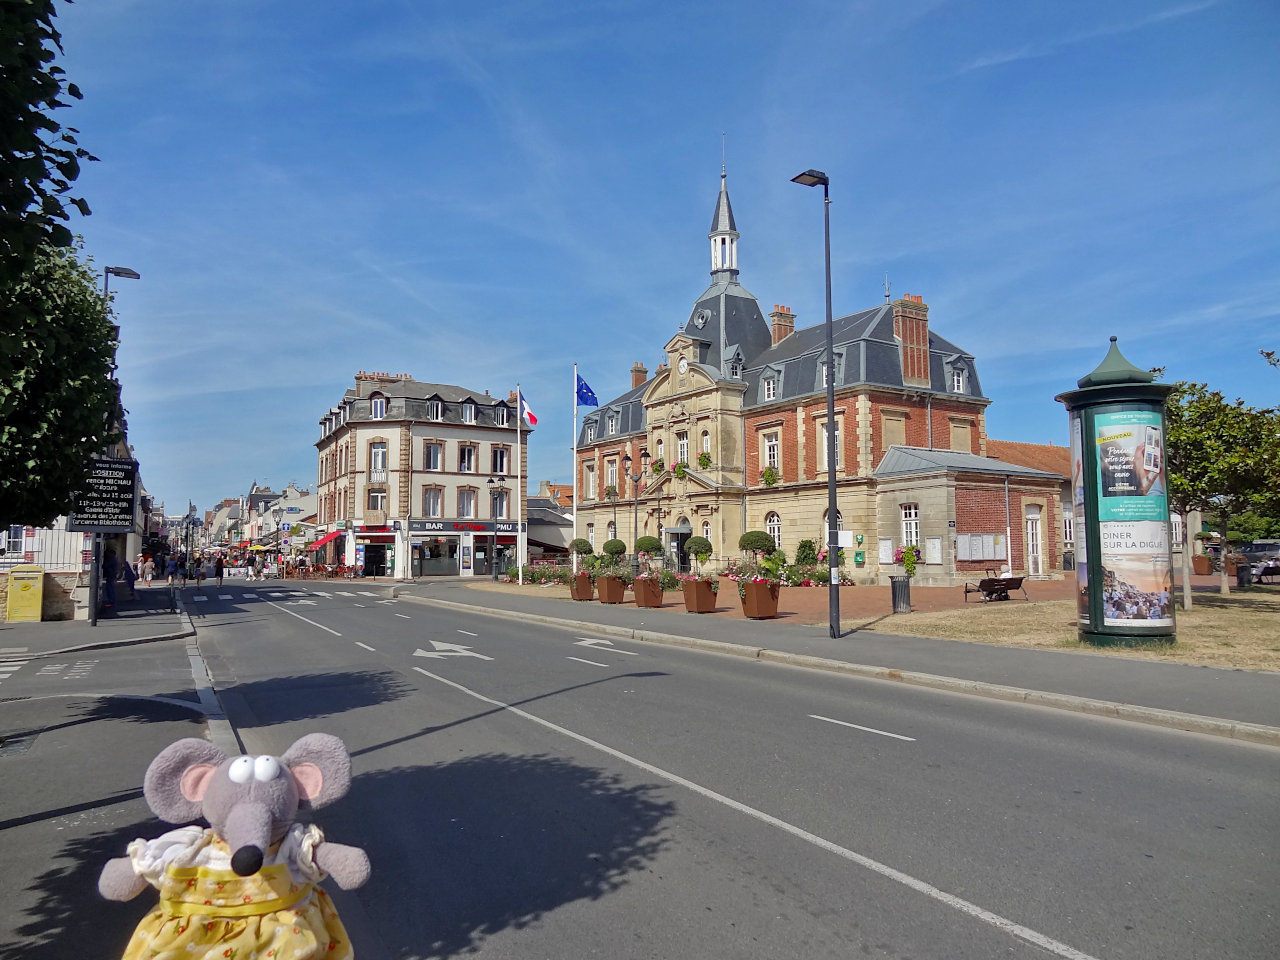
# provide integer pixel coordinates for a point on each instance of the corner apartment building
(418, 479)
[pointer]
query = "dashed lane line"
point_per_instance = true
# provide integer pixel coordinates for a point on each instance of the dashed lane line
(883, 733)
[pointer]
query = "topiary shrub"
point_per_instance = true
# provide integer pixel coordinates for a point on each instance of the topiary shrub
(758, 542)
(582, 547)
(699, 548)
(650, 545)
(614, 548)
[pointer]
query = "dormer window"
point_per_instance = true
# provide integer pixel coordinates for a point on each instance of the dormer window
(435, 410)
(591, 432)
(735, 368)
(612, 423)
(468, 412)
(377, 406)
(957, 380)
(500, 416)
(771, 388)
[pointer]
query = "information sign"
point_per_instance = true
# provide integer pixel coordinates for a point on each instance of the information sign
(106, 505)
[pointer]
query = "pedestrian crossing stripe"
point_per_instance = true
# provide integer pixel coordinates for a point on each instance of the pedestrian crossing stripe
(366, 593)
(224, 596)
(200, 596)
(344, 593)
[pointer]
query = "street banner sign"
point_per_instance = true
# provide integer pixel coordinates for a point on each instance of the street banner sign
(108, 502)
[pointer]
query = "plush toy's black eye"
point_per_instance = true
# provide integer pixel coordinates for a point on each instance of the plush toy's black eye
(246, 861)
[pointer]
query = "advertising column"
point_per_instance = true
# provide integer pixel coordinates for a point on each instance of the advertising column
(1124, 569)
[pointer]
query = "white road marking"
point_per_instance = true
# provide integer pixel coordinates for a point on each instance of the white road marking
(366, 646)
(14, 649)
(224, 596)
(592, 662)
(449, 650)
(469, 633)
(305, 620)
(345, 593)
(883, 733)
(388, 601)
(404, 616)
(200, 596)
(366, 593)
(360, 605)
(317, 593)
(584, 642)
(277, 594)
(929, 890)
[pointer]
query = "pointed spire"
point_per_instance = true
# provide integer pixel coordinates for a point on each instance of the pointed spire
(723, 235)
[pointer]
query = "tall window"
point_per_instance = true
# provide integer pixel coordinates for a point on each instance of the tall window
(466, 459)
(500, 460)
(591, 534)
(706, 442)
(910, 524)
(822, 375)
(591, 432)
(611, 474)
(771, 388)
(468, 412)
(432, 501)
(377, 407)
(499, 504)
(822, 451)
(612, 421)
(466, 503)
(659, 448)
(377, 499)
(1175, 523)
(378, 456)
(682, 447)
(500, 416)
(432, 456)
(589, 480)
(772, 448)
(773, 527)
(1068, 531)
(611, 531)
(957, 380)
(706, 530)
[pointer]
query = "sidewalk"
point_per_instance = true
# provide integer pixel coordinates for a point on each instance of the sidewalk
(1233, 703)
(146, 618)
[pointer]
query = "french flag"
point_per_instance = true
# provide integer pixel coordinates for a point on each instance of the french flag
(526, 411)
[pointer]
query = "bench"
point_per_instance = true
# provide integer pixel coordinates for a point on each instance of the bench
(995, 588)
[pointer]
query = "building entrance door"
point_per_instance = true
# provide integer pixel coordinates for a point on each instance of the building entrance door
(1035, 563)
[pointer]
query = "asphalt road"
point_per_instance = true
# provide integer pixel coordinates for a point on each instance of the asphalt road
(527, 792)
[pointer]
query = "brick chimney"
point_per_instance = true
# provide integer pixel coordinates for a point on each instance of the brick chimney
(639, 374)
(911, 327)
(784, 323)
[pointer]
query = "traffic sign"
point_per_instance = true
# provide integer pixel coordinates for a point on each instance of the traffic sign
(285, 542)
(285, 527)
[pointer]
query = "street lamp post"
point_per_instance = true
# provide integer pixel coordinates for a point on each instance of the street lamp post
(635, 502)
(813, 178)
(493, 516)
(277, 514)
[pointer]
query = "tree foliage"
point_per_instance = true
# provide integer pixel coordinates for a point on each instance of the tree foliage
(39, 158)
(1222, 457)
(58, 402)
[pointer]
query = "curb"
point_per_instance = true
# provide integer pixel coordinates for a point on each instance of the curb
(1171, 719)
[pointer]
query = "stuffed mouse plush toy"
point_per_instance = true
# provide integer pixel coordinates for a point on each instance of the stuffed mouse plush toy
(249, 885)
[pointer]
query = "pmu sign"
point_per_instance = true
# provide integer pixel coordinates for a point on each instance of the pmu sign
(108, 500)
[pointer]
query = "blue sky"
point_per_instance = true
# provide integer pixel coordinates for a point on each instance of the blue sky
(485, 193)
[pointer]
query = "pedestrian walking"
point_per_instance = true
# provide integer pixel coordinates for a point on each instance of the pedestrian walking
(130, 576)
(217, 569)
(199, 572)
(148, 571)
(171, 568)
(182, 572)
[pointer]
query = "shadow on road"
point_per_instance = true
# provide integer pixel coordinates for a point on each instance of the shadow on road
(465, 849)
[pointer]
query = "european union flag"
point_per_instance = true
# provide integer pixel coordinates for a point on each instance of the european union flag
(586, 396)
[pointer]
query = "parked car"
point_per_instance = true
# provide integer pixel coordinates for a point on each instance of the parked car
(1260, 550)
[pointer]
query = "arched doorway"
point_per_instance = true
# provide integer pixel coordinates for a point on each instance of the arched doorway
(674, 539)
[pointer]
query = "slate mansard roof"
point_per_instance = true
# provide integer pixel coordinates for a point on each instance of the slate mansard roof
(409, 400)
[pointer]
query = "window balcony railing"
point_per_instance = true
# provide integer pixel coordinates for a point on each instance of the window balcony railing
(377, 474)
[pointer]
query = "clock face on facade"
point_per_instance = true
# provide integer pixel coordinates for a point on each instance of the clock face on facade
(684, 364)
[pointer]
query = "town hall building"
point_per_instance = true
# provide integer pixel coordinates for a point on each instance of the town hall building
(729, 435)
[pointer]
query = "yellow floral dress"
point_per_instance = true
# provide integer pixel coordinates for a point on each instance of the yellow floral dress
(207, 912)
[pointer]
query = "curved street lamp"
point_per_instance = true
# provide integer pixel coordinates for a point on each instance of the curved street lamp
(635, 502)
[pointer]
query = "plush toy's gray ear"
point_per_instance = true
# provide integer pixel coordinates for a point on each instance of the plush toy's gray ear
(168, 787)
(320, 767)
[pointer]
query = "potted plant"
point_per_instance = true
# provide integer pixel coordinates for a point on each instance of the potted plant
(680, 469)
(610, 585)
(759, 581)
(580, 587)
(647, 587)
(901, 585)
(658, 466)
(770, 475)
(704, 460)
(699, 588)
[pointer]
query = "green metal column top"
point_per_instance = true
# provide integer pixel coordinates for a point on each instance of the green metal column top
(1115, 378)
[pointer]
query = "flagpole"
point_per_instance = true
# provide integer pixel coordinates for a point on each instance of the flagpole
(573, 555)
(519, 488)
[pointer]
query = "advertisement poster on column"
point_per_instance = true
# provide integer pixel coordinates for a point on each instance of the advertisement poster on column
(1133, 519)
(1078, 519)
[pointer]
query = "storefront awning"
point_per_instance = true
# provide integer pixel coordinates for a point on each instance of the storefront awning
(325, 539)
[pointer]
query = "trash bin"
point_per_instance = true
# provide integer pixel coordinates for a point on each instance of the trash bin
(901, 587)
(1068, 559)
(1244, 573)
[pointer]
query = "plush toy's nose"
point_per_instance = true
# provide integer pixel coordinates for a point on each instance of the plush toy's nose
(247, 832)
(246, 861)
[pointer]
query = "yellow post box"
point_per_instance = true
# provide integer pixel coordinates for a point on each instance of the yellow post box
(26, 593)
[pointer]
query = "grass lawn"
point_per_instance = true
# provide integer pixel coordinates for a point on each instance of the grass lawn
(1239, 631)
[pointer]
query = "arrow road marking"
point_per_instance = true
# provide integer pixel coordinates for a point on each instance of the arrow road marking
(883, 733)
(592, 662)
(449, 650)
(607, 643)
(294, 603)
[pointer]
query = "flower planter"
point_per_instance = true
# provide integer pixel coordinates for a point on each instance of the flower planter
(610, 589)
(580, 587)
(699, 597)
(648, 592)
(759, 600)
(1201, 565)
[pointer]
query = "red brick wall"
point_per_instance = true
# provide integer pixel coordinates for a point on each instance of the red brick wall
(980, 509)
(783, 421)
